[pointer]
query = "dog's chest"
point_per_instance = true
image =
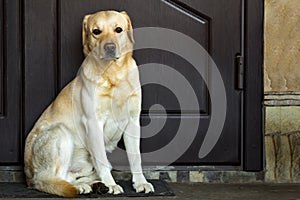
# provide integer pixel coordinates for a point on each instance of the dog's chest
(113, 98)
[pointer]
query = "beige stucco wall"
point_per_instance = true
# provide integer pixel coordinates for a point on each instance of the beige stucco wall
(282, 89)
(282, 45)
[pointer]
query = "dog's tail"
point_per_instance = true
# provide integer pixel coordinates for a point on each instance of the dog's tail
(56, 186)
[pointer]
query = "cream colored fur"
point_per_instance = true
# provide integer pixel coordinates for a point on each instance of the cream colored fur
(65, 152)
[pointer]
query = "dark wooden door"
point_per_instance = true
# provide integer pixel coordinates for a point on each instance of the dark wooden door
(216, 25)
(52, 54)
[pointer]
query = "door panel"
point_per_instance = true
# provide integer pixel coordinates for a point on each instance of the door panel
(10, 83)
(40, 52)
(71, 40)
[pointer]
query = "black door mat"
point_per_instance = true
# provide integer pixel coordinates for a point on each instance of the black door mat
(19, 190)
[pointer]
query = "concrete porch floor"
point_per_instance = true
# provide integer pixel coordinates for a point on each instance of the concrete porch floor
(199, 191)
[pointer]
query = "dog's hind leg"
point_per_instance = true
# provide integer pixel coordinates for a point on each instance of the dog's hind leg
(52, 154)
(62, 145)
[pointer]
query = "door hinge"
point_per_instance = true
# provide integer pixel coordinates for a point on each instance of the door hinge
(239, 67)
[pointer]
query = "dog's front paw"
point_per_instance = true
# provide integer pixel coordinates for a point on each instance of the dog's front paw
(143, 187)
(115, 189)
(83, 188)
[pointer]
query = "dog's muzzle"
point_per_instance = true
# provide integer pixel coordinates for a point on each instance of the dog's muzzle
(110, 49)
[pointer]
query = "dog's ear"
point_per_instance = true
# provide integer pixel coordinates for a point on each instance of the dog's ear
(85, 33)
(129, 28)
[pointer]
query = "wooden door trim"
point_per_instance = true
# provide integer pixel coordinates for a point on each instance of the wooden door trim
(253, 96)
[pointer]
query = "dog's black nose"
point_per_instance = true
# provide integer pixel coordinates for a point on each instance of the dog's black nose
(110, 47)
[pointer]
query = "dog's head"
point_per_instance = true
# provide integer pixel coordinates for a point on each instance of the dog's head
(110, 32)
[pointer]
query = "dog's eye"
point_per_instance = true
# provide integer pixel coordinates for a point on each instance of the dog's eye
(97, 31)
(118, 29)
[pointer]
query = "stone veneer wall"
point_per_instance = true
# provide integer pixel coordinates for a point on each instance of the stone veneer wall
(282, 90)
(282, 144)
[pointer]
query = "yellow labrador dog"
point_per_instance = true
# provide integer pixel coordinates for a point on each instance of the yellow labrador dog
(65, 153)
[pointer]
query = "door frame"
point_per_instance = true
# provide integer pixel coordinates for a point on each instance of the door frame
(253, 127)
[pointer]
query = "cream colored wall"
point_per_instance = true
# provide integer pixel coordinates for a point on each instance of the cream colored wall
(282, 89)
